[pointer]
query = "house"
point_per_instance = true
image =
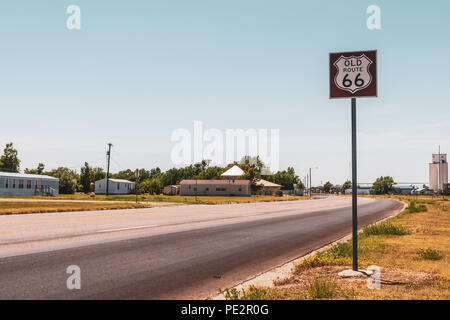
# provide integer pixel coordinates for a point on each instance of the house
(171, 190)
(115, 186)
(18, 184)
(215, 187)
(267, 187)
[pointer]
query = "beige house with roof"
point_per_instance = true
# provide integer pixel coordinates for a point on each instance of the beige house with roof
(267, 188)
(215, 188)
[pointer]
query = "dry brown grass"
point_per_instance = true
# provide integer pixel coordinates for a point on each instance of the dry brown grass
(22, 207)
(164, 198)
(404, 273)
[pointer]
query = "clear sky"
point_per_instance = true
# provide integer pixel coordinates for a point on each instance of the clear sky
(138, 70)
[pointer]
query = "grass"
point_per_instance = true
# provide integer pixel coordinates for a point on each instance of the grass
(383, 228)
(22, 207)
(429, 254)
(415, 206)
(408, 271)
(165, 198)
(321, 287)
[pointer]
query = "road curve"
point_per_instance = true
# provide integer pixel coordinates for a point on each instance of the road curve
(189, 263)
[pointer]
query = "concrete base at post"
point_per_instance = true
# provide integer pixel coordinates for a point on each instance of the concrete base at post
(349, 273)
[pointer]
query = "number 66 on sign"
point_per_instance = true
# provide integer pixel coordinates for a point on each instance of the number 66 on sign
(353, 74)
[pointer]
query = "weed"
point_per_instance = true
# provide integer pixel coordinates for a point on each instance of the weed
(415, 206)
(384, 228)
(429, 254)
(252, 293)
(321, 287)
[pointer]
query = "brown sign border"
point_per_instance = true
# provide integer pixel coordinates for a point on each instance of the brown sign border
(370, 92)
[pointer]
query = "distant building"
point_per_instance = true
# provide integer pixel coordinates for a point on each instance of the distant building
(171, 190)
(115, 186)
(403, 189)
(233, 173)
(438, 172)
(363, 190)
(267, 188)
(336, 188)
(18, 184)
(215, 188)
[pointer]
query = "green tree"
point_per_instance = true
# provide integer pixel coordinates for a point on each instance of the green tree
(39, 170)
(68, 179)
(9, 161)
(85, 178)
(299, 185)
(211, 173)
(384, 185)
(286, 178)
(151, 186)
(327, 187)
(97, 174)
(347, 185)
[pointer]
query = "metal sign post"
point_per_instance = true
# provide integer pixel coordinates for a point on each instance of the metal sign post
(354, 190)
(352, 75)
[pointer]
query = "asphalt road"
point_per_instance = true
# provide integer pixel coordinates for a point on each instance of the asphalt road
(167, 253)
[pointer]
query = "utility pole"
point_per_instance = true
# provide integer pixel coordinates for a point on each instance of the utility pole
(136, 173)
(108, 155)
(310, 183)
(307, 183)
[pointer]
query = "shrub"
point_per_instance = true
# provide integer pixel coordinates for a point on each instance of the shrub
(414, 206)
(341, 250)
(321, 287)
(278, 193)
(384, 228)
(337, 255)
(429, 254)
(252, 293)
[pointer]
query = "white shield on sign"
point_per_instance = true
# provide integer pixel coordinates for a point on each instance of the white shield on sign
(353, 73)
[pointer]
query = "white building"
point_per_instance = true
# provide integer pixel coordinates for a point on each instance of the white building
(115, 186)
(21, 184)
(438, 172)
(233, 173)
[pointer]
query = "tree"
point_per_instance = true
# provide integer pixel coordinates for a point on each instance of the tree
(347, 185)
(211, 173)
(151, 186)
(327, 187)
(383, 185)
(85, 178)
(68, 179)
(97, 174)
(39, 170)
(299, 185)
(287, 178)
(9, 161)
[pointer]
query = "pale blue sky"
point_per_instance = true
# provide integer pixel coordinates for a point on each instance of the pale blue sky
(137, 70)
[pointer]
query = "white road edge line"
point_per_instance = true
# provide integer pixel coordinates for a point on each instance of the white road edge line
(130, 228)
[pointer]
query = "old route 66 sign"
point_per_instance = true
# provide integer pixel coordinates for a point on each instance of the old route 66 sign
(353, 74)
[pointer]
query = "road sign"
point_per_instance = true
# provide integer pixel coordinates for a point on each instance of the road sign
(353, 74)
